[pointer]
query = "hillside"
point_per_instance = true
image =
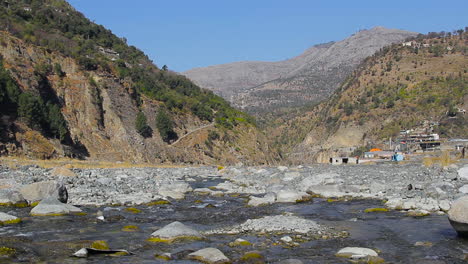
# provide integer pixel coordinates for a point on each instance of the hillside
(69, 87)
(398, 88)
(262, 87)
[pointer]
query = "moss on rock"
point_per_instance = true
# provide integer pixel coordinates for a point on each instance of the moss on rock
(130, 228)
(100, 244)
(133, 210)
(7, 252)
(373, 210)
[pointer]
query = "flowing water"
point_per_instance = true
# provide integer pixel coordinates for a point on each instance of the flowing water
(393, 234)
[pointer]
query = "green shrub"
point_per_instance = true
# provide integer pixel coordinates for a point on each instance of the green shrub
(141, 125)
(31, 110)
(165, 126)
(213, 135)
(57, 124)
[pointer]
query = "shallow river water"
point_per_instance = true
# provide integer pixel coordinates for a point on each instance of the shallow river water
(393, 234)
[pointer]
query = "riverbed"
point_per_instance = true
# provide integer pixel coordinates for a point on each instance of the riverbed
(392, 233)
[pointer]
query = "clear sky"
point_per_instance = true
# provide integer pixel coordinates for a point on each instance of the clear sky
(195, 33)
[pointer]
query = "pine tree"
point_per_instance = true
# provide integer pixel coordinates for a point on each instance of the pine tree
(141, 125)
(165, 126)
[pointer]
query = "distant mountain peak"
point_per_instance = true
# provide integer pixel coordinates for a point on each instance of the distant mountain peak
(306, 78)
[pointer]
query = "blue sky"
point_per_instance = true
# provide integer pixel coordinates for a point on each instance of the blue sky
(184, 34)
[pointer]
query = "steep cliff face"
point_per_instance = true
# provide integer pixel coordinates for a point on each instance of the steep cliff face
(305, 79)
(100, 113)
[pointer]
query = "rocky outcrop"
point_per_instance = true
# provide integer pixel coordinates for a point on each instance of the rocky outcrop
(309, 77)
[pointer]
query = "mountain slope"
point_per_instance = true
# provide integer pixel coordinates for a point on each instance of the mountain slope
(398, 88)
(307, 78)
(69, 87)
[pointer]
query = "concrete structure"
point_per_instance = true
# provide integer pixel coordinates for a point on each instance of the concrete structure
(344, 160)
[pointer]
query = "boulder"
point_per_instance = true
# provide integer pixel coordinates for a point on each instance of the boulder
(209, 255)
(463, 173)
(290, 196)
(40, 190)
(356, 253)
(464, 189)
(269, 198)
(8, 219)
(51, 206)
(458, 216)
(173, 231)
(11, 197)
(174, 190)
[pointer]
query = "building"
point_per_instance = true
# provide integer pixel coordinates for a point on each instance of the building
(344, 160)
(407, 44)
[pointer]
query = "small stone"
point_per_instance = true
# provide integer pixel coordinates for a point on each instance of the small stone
(418, 213)
(356, 253)
(165, 256)
(240, 242)
(209, 255)
(8, 219)
(423, 244)
(82, 253)
(173, 231)
(286, 239)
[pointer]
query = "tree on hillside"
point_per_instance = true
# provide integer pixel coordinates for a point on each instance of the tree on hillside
(165, 126)
(141, 125)
(30, 109)
(57, 124)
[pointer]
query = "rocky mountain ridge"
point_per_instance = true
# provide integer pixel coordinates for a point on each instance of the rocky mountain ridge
(305, 79)
(401, 87)
(67, 94)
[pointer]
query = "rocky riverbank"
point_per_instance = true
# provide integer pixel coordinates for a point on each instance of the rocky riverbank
(317, 214)
(403, 186)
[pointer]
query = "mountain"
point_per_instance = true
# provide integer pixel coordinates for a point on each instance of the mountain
(305, 79)
(419, 85)
(69, 87)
